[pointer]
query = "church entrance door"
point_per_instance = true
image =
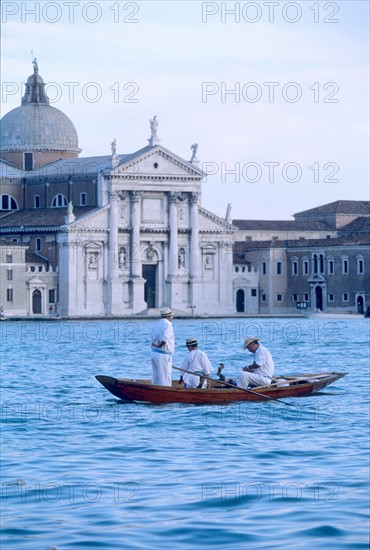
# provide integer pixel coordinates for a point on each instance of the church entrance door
(149, 274)
(36, 302)
(240, 301)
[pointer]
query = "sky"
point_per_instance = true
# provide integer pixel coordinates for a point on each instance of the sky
(275, 94)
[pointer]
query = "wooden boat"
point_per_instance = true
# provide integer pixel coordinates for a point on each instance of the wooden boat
(218, 392)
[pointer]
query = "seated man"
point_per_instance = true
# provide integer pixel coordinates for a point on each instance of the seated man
(196, 362)
(261, 371)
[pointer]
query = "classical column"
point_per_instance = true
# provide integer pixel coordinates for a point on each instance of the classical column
(135, 235)
(137, 282)
(194, 236)
(113, 237)
(172, 260)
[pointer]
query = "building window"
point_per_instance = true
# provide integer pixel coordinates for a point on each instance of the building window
(236, 269)
(9, 258)
(59, 201)
(306, 297)
(294, 267)
(331, 297)
(36, 201)
(253, 292)
(294, 297)
(279, 268)
(321, 263)
(9, 274)
(305, 267)
(38, 244)
(345, 296)
(315, 264)
(344, 265)
(83, 199)
(279, 297)
(263, 298)
(9, 294)
(264, 268)
(52, 296)
(330, 267)
(8, 203)
(28, 161)
(360, 266)
(243, 269)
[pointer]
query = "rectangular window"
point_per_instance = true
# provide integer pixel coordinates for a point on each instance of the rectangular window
(36, 201)
(294, 267)
(9, 258)
(38, 244)
(306, 297)
(9, 294)
(279, 268)
(253, 292)
(52, 296)
(263, 298)
(331, 267)
(331, 297)
(264, 268)
(279, 297)
(9, 274)
(344, 266)
(82, 199)
(345, 296)
(294, 297)
(360, 266)
(305, 267)
(28, 161)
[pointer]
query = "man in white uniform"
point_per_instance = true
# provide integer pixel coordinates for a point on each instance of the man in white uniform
(197, 362)
(261, 371)
(163, 347)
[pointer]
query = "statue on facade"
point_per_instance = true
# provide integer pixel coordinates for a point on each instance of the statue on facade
(154, 127)
(35, 66)
(114, 147)
(194, 148)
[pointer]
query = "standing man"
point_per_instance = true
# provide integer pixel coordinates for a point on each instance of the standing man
(198, 363)
(163, 347)
(261, 371)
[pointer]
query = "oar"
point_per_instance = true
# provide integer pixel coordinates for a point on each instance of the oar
(235, 387)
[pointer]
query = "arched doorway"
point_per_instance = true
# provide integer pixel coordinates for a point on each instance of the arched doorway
(240, 301)
(36, 301)
(360, 306)
(318, 298)
(149, 274)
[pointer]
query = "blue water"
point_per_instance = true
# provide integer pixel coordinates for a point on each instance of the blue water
(83, 470)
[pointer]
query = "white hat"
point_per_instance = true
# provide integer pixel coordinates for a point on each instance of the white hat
(250, 340)
(166, 312)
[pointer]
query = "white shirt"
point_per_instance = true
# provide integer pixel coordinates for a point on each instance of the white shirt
(263, 358)
(196, 361)
(163, 332)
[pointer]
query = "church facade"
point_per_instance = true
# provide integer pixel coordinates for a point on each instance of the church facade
(113, 235)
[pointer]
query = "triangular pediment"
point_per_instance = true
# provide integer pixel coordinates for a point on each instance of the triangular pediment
(157, 162)
(210, 222)
(96, 219)
(316, 278)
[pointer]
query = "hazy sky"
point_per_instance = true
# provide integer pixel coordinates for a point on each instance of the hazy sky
(274, 93)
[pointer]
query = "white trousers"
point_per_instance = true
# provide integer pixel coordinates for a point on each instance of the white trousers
(245, 378)
(162, 369)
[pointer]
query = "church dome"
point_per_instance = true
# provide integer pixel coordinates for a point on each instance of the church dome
(38, 127)
(35, 125)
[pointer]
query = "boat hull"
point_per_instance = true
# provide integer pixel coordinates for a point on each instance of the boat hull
(144, 391)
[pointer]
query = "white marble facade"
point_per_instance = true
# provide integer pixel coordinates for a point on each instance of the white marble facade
(149, 243)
